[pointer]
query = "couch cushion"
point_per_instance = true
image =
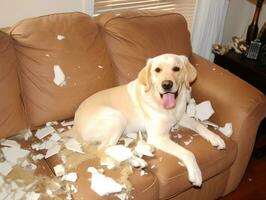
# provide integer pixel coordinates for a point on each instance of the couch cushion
(133, 37)
(72, 41)
(173, 178)
(12, 116)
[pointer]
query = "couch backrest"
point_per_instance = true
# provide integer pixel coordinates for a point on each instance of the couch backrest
(72, 41)
(132, 37)
(12, 115)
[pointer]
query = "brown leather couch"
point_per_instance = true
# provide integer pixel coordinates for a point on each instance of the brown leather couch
(121, 43)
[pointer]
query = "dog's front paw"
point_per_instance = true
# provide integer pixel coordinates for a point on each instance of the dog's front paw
(194, 173)
(217, 141)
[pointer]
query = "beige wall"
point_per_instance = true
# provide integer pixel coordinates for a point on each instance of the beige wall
(239, 16)
(11, 11)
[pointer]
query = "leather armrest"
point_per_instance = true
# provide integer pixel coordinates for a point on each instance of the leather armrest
(233, 100)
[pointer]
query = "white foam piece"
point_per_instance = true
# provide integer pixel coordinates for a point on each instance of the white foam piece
(73, 145)
(27, 135)
(204, 111)
(122, 196)
(26, 164)
(102, 184)
(143, 173)
(69, 123)
(61, 130)
(188, 142)
(43, 132)
(59, 170)
(72, 177)
(138, 162)
(19, 194)
(10, 143)
(143, 149)
(5, 168)
(60, 37)
(37, 157)
(12, 154)
(227, 130)
(55, 137)
(108, 163)
(32, 196)
(119, 153)
(52, 151)
(51, 123)
(59, 76)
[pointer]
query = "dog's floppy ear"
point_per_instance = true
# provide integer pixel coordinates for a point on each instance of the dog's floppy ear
(191, 72)
(144, 76)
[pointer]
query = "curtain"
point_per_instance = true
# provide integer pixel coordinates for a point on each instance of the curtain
(208, 26)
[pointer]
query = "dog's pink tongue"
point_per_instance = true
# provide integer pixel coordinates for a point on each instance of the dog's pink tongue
(169, 100)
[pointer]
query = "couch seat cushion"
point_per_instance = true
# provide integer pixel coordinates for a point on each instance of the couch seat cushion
(173, 178)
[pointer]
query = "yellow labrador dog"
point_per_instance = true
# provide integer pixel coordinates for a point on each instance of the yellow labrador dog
(154, 103)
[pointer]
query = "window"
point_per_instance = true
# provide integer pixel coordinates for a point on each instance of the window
(184, 7)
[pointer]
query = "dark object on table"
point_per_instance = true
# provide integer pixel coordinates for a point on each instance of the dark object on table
(253, 27)
(254, 49)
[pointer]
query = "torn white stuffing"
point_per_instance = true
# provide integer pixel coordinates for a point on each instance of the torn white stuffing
(27, 135)
(143, 173)
(5, 168)
(59, 76)
(43, 132)
(108, 163)
(13, 154)
(102, 184)
(55, 137)
(52, 151)
(204, 111)
(72, 177)
(59, 170)
(10, 143)
(138, 162)
(51, 123)
(33, 196)
(60, 37)
(143, 149)
(37, 157)
(27, 165)
(122, 196)
(119, 153)
(187, 142)
(69, 123)
(100, 67)
(61, 130)
(19, 193)
(227, 130)
(73, 145)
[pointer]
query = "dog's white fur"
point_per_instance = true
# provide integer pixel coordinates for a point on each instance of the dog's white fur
(106, 115)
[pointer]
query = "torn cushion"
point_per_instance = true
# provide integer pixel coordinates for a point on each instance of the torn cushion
(79, 51)
(173, 178)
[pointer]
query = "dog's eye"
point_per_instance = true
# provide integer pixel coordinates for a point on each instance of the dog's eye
(176, 69)
(158, 69)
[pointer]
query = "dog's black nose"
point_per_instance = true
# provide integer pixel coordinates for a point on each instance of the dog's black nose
(167, 84)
